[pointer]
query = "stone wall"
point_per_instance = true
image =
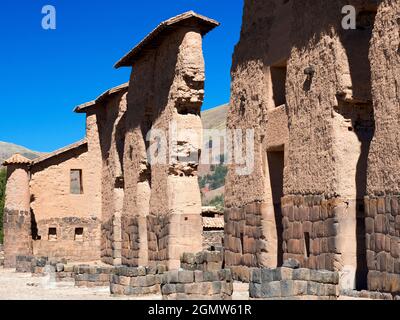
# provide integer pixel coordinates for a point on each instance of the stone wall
(213, 239)
(243, 243)
(197, 285)
(319, 74)
(294, 284)
(383, 243)
(17, 233)
(203, 261)
(17, 216)
(90, 276)
(382, 201)
(317, 218)
(137, 281)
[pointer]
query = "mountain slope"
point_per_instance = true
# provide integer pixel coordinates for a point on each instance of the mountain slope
(212, 177)
(215, 118)
(8, 149)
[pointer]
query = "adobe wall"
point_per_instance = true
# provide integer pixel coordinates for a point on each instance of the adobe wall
(110, 118)
(330, 126)
(382, 202)
(165, 197)
(250, 230)
(17, 217)
(53, 206)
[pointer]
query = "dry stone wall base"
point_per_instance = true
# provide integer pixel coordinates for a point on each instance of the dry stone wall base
(286, 283)
(92, 276)
(203, 261)
(139, 281)
(383, 243)
(197, 285)
(242, 233)
(17, 231)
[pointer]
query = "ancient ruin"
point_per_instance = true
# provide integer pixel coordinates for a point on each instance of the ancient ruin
(323, 103)
(101, 198)
(317, 218)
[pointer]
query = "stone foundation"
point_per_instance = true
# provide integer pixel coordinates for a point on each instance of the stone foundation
(130, 241)
(242, 234)
(383, 243)
(106, 242)
(294, 284)
(197, 285)
(137, 281)
(364, 295)
(203, 261)
(92, 276)
(157, 228)
(31, 264)
(313, 219)
(17, 235)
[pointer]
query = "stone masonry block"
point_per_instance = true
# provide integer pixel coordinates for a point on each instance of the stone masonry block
(186, 276)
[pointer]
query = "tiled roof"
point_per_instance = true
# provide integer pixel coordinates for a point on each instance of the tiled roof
(17, 159)
(60, 151)
(213, 223)
(204, 24)
(83, 107)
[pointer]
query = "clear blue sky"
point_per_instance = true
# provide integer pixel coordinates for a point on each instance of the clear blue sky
(44, 74)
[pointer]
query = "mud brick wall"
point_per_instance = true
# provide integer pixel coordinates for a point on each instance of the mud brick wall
(197, 285)
(294, 284)
(203, 261)
(383, 243)
(137, 281)
(242, 234)
(92, 276)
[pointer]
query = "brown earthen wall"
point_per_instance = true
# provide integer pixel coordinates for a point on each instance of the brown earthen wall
(53, 206)
(383, 220)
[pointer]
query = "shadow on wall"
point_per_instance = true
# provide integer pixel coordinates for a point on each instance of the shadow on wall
(356, 108)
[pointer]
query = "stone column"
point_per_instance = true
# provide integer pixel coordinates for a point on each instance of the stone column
(17, 216)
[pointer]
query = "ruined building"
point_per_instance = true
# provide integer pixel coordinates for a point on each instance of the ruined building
(317, 217)
(103, 198)
(324, 104)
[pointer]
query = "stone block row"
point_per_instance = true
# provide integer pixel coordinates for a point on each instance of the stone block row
(293, 283)
(205, 261)
(197, 285)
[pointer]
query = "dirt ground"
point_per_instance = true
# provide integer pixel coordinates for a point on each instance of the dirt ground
(19, 286)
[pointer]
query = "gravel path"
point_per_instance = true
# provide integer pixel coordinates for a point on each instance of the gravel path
(20, 286)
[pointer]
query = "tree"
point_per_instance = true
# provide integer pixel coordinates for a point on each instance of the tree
(2, 197)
